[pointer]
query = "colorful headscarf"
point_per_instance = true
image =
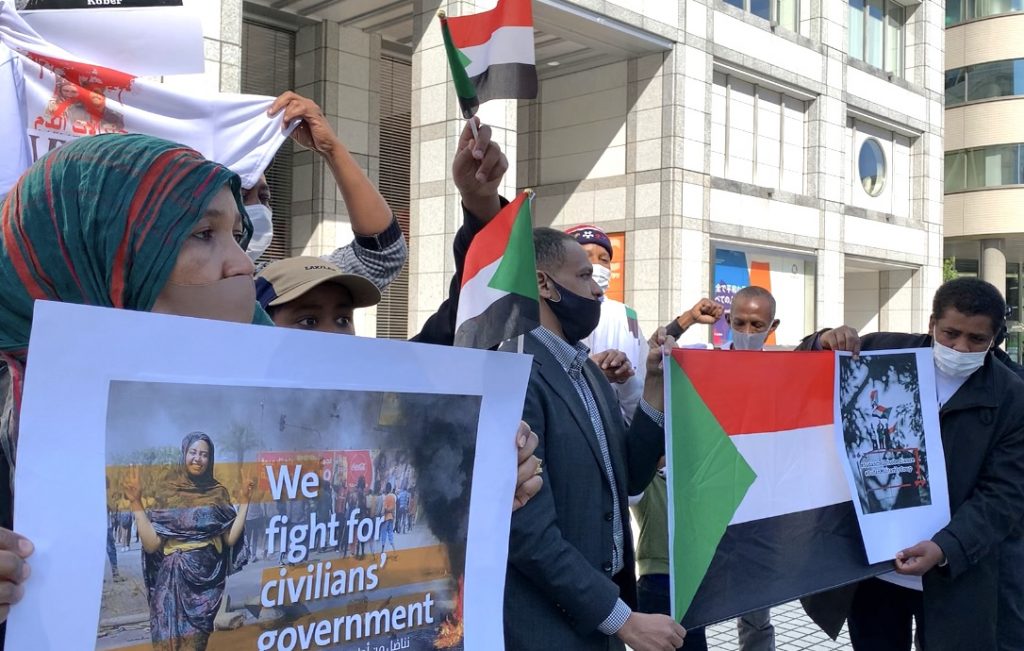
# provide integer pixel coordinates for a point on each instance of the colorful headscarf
(99, 221)
(186, 491)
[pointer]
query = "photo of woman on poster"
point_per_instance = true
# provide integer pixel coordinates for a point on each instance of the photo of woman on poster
(189, 542)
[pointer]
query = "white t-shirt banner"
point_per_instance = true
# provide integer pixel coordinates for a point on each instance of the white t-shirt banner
(144, 37)
(59, 97)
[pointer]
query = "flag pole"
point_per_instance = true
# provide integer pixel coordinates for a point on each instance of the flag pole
(530, 195)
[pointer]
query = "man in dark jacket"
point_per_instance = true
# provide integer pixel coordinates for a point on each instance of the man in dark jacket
(981, 415)
(570, 583)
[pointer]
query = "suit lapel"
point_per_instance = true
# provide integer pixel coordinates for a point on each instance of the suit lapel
(558, 379)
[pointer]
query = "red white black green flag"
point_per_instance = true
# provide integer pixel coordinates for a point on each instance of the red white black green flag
(760, 511)
(499, 299)
(491, 54)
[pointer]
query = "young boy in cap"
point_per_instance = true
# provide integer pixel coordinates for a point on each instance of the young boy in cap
(309, 293)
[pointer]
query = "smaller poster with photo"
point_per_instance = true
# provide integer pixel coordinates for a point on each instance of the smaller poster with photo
(887, 431)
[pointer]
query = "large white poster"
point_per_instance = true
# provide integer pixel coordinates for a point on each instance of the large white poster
(232, 487)
(887, 431)
(143, 37)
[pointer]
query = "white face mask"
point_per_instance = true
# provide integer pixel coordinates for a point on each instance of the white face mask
(262, 229)
(602, 276)
(954, 363)
(749, 340)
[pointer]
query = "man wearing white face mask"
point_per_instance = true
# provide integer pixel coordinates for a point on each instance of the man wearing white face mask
(949, 584)
(617, 344)
(378, 250)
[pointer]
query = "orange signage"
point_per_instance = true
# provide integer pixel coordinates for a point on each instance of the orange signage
(617, 286)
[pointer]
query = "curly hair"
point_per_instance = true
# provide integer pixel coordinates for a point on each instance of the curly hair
(971, 297)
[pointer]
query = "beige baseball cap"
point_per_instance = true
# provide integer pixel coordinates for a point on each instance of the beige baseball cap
(286, 280)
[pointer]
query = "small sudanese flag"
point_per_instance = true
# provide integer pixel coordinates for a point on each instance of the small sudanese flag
(491, 54)
(499, 299)
(760, 512)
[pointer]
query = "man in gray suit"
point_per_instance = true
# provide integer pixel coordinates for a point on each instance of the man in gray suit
(571, 582)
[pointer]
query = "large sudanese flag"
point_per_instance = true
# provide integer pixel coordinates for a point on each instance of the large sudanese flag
(491, 54)
(499, 299)
(759, 509)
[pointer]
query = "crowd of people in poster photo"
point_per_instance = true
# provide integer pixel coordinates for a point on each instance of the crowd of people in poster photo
(204, 453)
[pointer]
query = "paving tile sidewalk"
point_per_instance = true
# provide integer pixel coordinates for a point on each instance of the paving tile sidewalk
(794, 631)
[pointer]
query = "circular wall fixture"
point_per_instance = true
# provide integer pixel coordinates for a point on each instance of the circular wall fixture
(871, 165)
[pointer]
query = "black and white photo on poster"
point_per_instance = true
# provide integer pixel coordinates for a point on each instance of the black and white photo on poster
(883, 427)
(886, 433)
(32, 5)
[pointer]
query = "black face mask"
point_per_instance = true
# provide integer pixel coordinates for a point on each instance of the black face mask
(578, 315)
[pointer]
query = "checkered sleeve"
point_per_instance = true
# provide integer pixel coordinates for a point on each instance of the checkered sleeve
(657, 416)
(617, 618)
(378, 257)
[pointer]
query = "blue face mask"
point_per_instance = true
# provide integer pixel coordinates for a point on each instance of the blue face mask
(577, 314)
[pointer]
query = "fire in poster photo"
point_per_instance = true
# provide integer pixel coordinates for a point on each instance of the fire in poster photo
(884, 431)
(274, 518)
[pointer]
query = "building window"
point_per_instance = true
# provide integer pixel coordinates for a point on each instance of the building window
(985, 81)
(267, 69)
(785, 13)
(871, 165)
(958, 11)
(395, 85)
(758, 134)
(876, 33)
(984, 167)
(1013, 301)
(881, 177)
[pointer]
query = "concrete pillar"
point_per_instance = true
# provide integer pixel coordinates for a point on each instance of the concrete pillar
(831, 299)
(993, 263)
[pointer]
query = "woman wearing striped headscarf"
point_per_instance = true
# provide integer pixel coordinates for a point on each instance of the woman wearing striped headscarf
(124, 221)
(135, 222)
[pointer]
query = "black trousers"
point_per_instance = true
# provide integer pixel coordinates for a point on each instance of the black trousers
(653, 597)
(882, 617)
